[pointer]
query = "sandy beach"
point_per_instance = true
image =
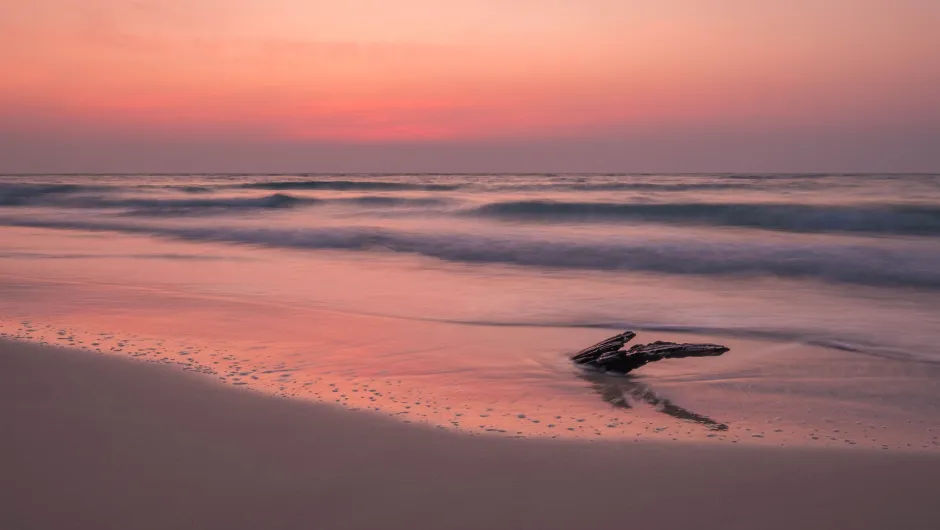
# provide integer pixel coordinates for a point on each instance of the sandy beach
(103, 442)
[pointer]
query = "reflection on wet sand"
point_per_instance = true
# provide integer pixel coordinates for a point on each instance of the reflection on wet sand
(620, 390)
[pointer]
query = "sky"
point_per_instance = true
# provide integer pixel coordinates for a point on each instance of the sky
(469, 85)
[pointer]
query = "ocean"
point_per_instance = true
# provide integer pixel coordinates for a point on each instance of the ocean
(467, 292)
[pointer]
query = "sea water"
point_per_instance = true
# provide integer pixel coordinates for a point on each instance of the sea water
(454, 300)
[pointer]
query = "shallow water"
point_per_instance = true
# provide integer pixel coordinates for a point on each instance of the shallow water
(454, 300)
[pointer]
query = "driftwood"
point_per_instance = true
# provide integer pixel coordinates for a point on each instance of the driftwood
(588, 355)
(609, 355)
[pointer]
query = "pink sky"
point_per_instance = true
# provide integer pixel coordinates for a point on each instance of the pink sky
(469, 85)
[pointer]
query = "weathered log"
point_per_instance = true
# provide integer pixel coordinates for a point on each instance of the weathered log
(590, 354)
(610, 356)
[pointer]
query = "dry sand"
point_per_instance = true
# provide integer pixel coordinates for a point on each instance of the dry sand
(96, 442)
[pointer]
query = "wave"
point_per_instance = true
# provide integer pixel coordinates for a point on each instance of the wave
(197, 199)
(158, 207)
(66, 198)
(386, 201)
(898, 219)
(653, 186)
(348, 185)
(161, 207)
(902, 266)
(625, 185)
(28, 194)
(195, 189)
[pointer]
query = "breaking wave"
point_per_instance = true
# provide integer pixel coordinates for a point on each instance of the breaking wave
(348, 185)
(898, 219)
(387, 201)
(158, 207)
(904, 266)
(28, 194)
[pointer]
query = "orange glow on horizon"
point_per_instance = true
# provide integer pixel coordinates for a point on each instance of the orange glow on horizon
(364, 70)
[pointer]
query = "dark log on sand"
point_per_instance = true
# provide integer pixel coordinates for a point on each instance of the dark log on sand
(610, 356)
(590, 354)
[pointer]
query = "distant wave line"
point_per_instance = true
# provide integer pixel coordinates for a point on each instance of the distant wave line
(851, 264)
(897, 219)
(346, 185)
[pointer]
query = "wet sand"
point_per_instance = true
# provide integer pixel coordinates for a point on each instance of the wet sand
(519, 382)
(479, 349)
(103, 442)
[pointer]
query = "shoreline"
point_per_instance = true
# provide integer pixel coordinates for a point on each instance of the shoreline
(99, 441)
(672, 403)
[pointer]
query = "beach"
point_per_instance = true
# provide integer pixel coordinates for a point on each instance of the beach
(394, 351)
(96, 441)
